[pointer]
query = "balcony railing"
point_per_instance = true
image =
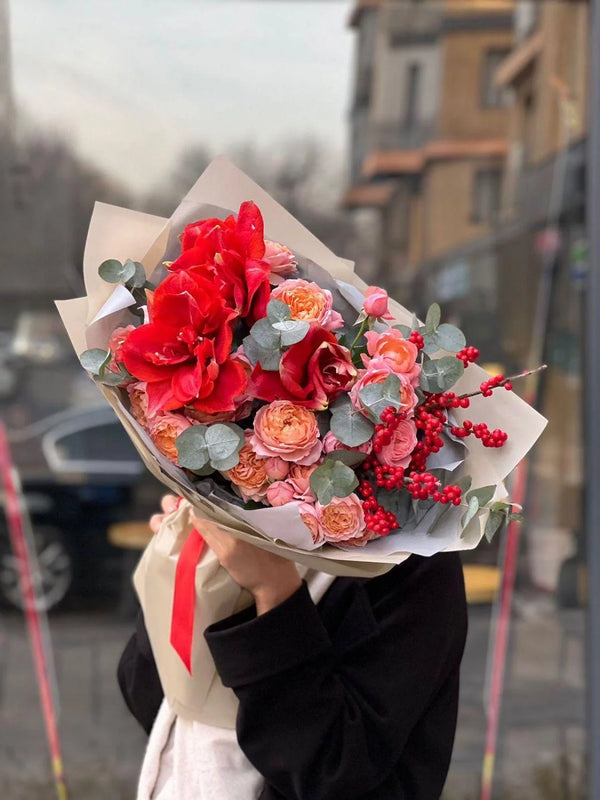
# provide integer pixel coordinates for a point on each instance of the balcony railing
(405, 21)
(401, 135)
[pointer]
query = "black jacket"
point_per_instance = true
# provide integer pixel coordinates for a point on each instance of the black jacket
(355, 699)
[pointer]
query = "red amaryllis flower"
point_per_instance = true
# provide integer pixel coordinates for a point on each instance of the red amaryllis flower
(183, 353)
(312, 372)
(231, 253)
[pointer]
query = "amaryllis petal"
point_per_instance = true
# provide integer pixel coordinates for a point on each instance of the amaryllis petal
(251, 229)
(229, 385)
(160, 397)
(152, 352)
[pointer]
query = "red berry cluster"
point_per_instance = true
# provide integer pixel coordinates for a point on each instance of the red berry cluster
(390, 418)
(447, 400)
(422, 485)
(449, 494)
(496, 438)
(377, 518)
(468, 355)
(431, 423)
(417, 339)
(487, 387)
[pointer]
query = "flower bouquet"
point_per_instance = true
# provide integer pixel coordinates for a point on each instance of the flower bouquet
(287, 402)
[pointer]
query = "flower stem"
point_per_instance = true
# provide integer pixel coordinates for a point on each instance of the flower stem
(361, 330)
(507, 380)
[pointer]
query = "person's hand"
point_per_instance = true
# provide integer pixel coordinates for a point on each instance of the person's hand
(269, 578)
(168, 503)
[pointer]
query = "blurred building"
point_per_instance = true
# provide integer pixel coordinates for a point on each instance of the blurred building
(429, 128)
(468, 143)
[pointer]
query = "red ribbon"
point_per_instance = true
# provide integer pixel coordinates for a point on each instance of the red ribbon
(184, 597)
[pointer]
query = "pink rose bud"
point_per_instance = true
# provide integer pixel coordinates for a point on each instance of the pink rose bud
(376, 303)
(280, 493)
(276, 468)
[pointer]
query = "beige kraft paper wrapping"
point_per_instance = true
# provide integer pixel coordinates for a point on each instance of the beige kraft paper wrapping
(121, 233)
(201, 695)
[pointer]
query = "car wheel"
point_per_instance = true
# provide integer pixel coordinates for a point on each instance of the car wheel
(53, 570)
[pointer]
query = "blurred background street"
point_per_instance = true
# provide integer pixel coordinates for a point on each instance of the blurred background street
(441, 146)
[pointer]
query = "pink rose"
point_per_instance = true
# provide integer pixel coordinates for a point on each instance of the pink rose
(299, 479)
(286, 430)
(342, 519)
(399, 451)
(308, 515)
(361, 541)
(281, 260)
(331, 443)
(376, 303)
(280, 493)
(138, 399)
(117, 339)
(396, 351)
(276, 468)
(376, 372)
(164, 430)
(309, 303)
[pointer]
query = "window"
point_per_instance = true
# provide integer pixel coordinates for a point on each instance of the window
(413, 78)
(486, 195)
(492, 95)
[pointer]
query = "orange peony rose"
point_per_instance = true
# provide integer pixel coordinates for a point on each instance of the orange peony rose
(342, 519)
(286, 430)
(395, 350)
(308, 515)
(164, 430)
(308, 302)
(249, 474)
(139, 402)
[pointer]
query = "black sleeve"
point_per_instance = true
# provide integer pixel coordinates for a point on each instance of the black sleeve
(138, 677)
(321, 723)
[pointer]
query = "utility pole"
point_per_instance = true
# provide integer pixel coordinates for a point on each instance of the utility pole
(591, 372)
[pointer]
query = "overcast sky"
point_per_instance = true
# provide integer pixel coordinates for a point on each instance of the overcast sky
(133, 82)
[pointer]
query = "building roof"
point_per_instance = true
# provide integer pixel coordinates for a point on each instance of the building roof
(368, 195)
(399, 162)
(359, 7)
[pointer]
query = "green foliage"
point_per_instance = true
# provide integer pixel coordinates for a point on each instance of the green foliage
(348, 457)
(440, 374)
(332, 479)
(350, 426)
(95, 360)
(217, 446)
(376, 397)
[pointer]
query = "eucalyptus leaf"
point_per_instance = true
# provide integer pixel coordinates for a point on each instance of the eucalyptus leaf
(470, 512)
(95, 360)
(348, 425)
(464, 483)
(192, 450)
(109, 378)
(111, 271)
(223, 439)
(226, 463)
(252, 350)
(431, 343)
(138, 278)
(404, 330)
(278, 311)
(450, 338)
(483, 495)
(265, 335)
(348, 457)
(332, 479)
(494, 523)
(440, 374)
(433, 318)
(128, 271)
(268, 359)
(292, 330)
(376, 397)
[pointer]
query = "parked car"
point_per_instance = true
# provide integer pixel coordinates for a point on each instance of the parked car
(81, 474)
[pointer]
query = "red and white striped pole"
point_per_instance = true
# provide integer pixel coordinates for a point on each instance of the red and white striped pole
(15, 511)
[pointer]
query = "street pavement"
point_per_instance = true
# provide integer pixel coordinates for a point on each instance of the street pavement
(541, 756)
